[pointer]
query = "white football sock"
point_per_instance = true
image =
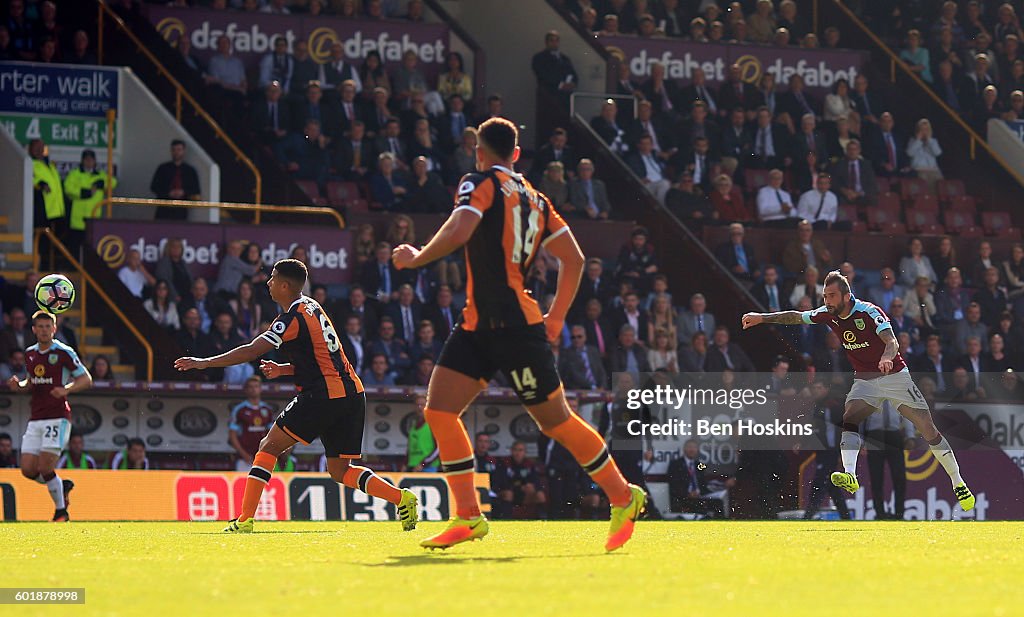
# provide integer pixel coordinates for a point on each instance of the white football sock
(944, 454)
(849, 448)
(56, 488)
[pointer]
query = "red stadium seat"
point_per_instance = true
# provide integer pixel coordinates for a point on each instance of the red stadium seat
(911, 188)
(848, 214)
(754, 179)
(932, 230)
(950, 189)
(893, 229)
(972, 232)
(964, 203)
(311, 190)
(1009, 233)
(357, 205)
(995, 222)
(888, 200)
(341, 193)
(918, 219)
(926, 202)
(958, 220)
(882, 216)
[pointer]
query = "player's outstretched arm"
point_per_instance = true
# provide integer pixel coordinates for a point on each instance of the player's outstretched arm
(455, 232)
(785, 318)
(239, 355)
(571, 260)
(273, 370)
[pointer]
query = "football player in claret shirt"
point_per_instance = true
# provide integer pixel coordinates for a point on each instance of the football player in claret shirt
(879, 374)
(250, 421)
(503, 221)
(330, 405)
(54, 372)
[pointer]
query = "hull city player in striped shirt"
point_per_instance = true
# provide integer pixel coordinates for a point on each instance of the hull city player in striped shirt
(330, 405)
(880, 374)
(502, 221)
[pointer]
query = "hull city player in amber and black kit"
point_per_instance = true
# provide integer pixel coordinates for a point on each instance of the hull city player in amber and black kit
(503, 221)
(330, 405)
(880, 374)
(54, 371)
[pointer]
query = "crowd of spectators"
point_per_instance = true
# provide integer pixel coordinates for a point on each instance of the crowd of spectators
(32, 32)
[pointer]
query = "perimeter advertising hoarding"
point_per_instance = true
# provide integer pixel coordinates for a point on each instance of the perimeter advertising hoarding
(103, 495)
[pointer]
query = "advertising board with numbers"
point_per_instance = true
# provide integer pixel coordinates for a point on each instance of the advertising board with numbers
(63, 105)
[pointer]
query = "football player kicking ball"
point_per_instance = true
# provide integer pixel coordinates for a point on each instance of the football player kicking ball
(50, 364)
(331, 404)
(503, 222)
(880, 374)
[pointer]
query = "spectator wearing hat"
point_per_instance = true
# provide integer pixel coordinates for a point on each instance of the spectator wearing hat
(85, 187)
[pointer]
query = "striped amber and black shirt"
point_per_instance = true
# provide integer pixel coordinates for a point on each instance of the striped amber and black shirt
(306, 335)
(515, 221)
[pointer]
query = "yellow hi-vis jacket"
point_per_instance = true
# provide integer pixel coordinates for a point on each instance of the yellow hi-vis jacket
(86, 190)
(46, 171)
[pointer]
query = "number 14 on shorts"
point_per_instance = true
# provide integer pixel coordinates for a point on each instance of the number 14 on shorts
(524, 381)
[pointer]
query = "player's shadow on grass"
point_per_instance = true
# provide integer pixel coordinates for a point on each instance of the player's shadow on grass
(438, 557)
(260, 533)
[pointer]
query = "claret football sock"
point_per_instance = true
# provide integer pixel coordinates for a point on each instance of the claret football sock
(457, 460)
(591, 452)
(259, 477)
(849, 448)
(944, 454)
(364, 479)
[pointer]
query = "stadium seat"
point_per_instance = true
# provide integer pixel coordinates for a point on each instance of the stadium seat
(888, 200)
(926, 202)
(341, 193)
(956, 221)
(754, 179)
(950, 189)
(848, 214)
(881, 216)
(357, 205)
(995, 223)
(311, 190)
(911, 188)
(919, 220)
(964, 203)
(972, 232)
(885, 185)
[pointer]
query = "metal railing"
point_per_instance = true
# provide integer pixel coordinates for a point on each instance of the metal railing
(222, 205)
(86, 281)
(105, 12)
(895, 63)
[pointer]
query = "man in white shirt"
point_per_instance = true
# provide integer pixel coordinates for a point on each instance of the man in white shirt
(775, 205)
(650, 169)
(134, 275)
(819, 205)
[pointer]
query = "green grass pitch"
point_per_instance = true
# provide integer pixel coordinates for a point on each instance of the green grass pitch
(522, 568)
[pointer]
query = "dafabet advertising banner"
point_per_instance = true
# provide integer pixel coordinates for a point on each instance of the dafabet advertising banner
(252, 35)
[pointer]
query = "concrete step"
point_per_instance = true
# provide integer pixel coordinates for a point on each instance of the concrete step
(5, 220)
(19, 258)
(14, 275)
(109, 351)
(92, 331)
(123, 372)
(10, 238)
